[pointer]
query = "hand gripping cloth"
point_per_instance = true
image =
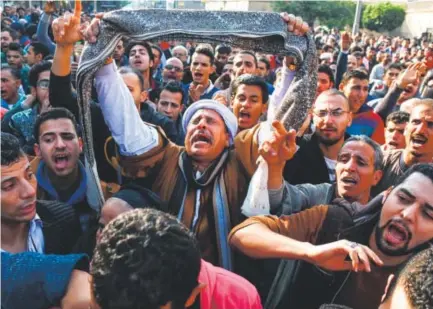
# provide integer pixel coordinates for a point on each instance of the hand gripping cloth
(259, 31)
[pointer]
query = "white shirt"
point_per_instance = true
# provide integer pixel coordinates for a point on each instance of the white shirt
(330, 164)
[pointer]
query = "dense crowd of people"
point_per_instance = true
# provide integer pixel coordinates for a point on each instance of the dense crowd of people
(178, 131)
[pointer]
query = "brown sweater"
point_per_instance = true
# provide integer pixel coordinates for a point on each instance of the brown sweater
(162, 165)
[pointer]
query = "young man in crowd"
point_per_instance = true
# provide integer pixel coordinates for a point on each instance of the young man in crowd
(157, 65)
(325, 79)
(119, 54)
(355, 257)
(15, 60)
(315, 160)
(60, 174)
(181, 279)
(10, 88)
(249, 100)
(364, 120)
(394, 132)
(380, 87)
(21, 120)
(201, 86)
(8, 36)
(172, 71)
(36, 53)
(222, 54)
(28, 224)
(378, 70)
(170, 104)
(419, 145)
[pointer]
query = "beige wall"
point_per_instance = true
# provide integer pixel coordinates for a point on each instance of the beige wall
(419, 17)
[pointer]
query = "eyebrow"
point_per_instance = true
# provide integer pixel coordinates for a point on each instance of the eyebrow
(407, 192)
(28, 167)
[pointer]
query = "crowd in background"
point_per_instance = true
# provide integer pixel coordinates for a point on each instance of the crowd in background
(177, 134)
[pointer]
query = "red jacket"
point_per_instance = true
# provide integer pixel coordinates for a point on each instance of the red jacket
(226, 290)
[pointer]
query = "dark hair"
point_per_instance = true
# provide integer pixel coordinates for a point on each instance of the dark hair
(323, 68)
(378, 154)
(398, 117)
(12, 32)
(141, 43)
(359, 74)
(129, 70)
(204, 50)
(158, 49)
(14, 72)
(251, 80)
(327, 48)
(333, 306)
(357, 54)
(416, 279)
(174, 87)
(354, 49)
(40, 49)
(38, 69)
(247, 52)
(144, 259)
(265, 61)
(424, 168)
(15, 47)
(223, 49)
(11, 150)
(52, 114)
(396, 66)
(30, 30)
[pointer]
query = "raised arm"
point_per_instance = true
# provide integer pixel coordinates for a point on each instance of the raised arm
(42, 32)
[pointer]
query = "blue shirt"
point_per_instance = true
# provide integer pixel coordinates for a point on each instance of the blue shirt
(35, 239)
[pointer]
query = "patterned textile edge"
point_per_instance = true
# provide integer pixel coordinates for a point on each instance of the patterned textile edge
(258, 31)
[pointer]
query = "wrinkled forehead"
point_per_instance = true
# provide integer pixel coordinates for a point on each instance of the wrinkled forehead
(175, 61)
(208, 113)
(15, 168)
(358, 149)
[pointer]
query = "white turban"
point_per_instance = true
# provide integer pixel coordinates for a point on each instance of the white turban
(226, 114)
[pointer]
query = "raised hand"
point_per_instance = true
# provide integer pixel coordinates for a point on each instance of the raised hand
(67, 29)
(410, 75)
(334, 256)
(195, 91)
(280, 147)
(49, 7)
(345, 41)
(297, 26)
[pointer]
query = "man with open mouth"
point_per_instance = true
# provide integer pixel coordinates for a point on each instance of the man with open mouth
(201, 86)
(28, 224)
(394, 132)
(419, 145)
(356, 250)
(60, 174)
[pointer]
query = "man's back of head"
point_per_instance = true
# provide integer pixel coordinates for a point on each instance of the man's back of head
(146, 259)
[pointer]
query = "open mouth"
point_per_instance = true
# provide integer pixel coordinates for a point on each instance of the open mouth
(138, 62)
(244, 115)
(393, 144)
(418, 140)
(61, 160)
(198, 75)
(349, 180)
(201, 139)
(396, 234)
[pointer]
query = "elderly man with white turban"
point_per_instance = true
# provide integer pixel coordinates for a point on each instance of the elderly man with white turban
(203, 183)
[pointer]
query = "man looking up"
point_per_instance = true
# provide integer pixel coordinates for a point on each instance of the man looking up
(141, 58)
(201, 86)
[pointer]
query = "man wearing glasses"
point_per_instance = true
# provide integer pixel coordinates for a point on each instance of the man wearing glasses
(173, 71)
(21, 120)
(316, 159)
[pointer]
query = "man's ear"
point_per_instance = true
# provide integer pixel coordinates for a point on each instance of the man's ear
(191, 299)
(33, 91)
(377, 177)
(37, 150)
(144, 96)
(38, 57)
(388, 284)
(341, 87)
(265, 107)
(80, 144)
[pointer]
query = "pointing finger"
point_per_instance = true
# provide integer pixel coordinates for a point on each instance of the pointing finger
(77, 11)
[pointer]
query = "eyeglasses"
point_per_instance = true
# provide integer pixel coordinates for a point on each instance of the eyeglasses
(43, 83)
(336, 113)
(170, 67)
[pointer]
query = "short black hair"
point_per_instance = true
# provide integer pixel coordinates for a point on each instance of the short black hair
(357, 73)
(223, 49)
(141, 43)
(12, 32)
(11, 150)
(424, 168)
(416, 279)
(129, 70)
(38, 69)
(14, 72)
(357, 54)
(145, 258)
(265, 61)
(15, 47)
(396, 66)
(398, 117)
(40, 49)
(354, 49)
(251, 80)
(205, 50)
(247, 52)
(324, 68)
(52, 114)
(174, 87)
